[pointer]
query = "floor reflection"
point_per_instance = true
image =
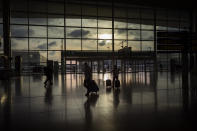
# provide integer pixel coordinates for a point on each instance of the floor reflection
(156, 97)
(48, 95)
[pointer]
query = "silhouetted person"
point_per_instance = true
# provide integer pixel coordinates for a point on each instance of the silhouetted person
(88, 77)
(49, 75)
(115, 73)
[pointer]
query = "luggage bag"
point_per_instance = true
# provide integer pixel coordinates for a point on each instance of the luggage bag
(108, 82)
(117, 83)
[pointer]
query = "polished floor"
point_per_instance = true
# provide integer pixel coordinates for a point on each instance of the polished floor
(145, 101)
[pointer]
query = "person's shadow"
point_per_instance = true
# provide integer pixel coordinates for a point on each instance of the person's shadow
(116, 100)
(90, 102)
(48, 95)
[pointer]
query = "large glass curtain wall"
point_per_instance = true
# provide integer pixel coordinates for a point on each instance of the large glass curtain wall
(1, 29)
(40, 30)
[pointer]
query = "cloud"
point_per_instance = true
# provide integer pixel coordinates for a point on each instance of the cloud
(77, 33)
(52, 52)
(38, 21)
(52, 43)
(102, 43)
(42, 46)
(135, 33)
(121, 31)
(147, 35)
(21, 32)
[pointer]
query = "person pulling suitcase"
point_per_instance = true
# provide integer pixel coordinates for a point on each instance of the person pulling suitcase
(115, 72)
(88, 82)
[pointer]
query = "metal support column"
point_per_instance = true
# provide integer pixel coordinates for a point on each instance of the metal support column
(6, 33)
(112, 34)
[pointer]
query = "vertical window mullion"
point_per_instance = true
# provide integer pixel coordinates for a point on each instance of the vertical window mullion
(140, 29)
(47, 13)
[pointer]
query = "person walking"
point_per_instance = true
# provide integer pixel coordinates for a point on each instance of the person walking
(88, 78)
(49, 74)
(115, 73)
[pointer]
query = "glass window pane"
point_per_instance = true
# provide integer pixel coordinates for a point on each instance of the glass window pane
(55, 44)
(73, 44)
(89, 33)
(56, 32)
(89, 10)
(18, 18)
(105, 33)
(147, 35)
(133, 13)
(89, 44)
(57, 20)
(73, 21)
(37, 6)
(1, 39)
(37, 31)
(147, 24)
(161, 25)
(120, 34)
(74, 9)
(37, 19)
(135, 45)
(89, 22)
(37, 58)
(147, 14)
(173, 15)
(56, 8)
(104, 11)
(147, 45)
(1, 19)
(19, 44)
(54, 55)
(19, 31)
(119, 44)
(120, 23)
(134, 24)
(105, 45)
(173, 26)
(73, 32)
(120, 12)
(161, 14)
(134, 34)
(19, 6)
(37, 44)
(1, 30)
(104, 23)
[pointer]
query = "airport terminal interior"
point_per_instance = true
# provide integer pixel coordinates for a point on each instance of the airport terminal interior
(151, 44)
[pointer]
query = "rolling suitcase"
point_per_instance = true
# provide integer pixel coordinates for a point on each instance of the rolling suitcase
(108, 82)
(117, 83)
(93, 87)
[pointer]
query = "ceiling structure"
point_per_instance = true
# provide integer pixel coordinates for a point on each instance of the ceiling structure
(174, 4)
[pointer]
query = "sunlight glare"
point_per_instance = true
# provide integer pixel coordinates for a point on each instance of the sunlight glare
(105, 36)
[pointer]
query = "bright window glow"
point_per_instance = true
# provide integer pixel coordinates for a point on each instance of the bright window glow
(105, 36)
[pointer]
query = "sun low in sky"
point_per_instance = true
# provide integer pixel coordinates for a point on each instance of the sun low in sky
(105, 36)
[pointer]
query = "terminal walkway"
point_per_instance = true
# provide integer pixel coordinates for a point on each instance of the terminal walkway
(146, 101)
